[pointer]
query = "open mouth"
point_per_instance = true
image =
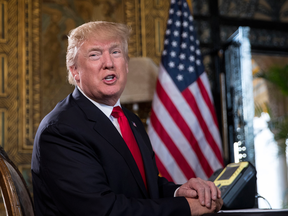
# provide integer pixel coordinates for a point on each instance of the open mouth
(109, 77)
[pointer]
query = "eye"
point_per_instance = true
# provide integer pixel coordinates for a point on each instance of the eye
(116, 53)
(94, 55)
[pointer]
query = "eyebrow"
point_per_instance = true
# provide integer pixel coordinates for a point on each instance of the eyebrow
(112, 46)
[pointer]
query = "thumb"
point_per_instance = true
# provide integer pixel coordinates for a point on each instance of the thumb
(186, 192)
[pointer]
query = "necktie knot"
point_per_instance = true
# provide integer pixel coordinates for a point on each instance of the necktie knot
(117, 112)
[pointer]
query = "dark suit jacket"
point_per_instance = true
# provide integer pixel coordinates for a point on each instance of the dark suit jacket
(82, 166)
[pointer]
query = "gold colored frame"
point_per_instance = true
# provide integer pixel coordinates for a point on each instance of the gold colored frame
(4, 75)
(148, 21)
(3, 22)
(132, 13)
(29, 69)
(20, 77)
(3, 126)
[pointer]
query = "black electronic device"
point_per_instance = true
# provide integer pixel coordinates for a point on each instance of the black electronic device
(237, 182)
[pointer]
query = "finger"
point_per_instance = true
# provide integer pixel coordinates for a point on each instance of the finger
(208, 199)
(204, 192)
(201, 195)
(214, 190)
(191, 193)
(187, 192)
(219, 193)
(219, 203)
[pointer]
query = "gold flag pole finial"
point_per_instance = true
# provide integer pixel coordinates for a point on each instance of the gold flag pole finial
(189, 2)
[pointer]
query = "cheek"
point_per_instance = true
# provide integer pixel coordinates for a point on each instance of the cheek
(126, 67)
(125, 80)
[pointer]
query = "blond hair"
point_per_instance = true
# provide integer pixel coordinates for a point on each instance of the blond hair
(82, 33)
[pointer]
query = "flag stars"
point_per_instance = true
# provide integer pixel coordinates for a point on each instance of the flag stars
(184, 35)
(176, 33)
(182, 42)
(173, 53)
(190, 69)
(171, 64)
(179, 77)
(192, 58)
(182, 56)
(185, 24)
(178, 23)
(181, 67)
(183, 45)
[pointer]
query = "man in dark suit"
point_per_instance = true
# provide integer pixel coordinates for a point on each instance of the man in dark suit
(81, 164)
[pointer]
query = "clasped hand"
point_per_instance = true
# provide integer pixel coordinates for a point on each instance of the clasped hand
(202, 196)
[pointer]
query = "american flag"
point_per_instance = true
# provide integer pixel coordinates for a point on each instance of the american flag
(183, 126)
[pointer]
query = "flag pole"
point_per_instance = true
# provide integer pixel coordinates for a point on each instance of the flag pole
(189, 2)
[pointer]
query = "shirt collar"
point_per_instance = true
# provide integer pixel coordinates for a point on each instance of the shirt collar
(107, 110)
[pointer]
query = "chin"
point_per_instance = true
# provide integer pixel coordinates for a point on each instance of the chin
(115, 92)
(112, 96)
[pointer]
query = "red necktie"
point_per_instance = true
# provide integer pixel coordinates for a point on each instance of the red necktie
(129, 138)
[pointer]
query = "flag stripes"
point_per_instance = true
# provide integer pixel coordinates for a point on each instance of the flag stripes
(206, 94)
(180, 123)
(172, 147)
(163, 156)
(201, 115)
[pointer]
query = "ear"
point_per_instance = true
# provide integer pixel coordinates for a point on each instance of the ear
(74, 71)
(127, 68)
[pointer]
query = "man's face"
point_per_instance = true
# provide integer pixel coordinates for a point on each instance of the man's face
(101, 69)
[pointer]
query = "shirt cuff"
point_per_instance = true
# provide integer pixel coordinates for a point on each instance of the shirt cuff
(176, 191)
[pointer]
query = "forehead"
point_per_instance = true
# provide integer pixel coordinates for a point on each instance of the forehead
(101, 42)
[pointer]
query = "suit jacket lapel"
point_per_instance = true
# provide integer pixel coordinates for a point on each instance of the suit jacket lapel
(147, 160)
(105, 128)
(115, 139)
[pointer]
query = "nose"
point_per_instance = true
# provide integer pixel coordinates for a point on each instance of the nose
(107, 61)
